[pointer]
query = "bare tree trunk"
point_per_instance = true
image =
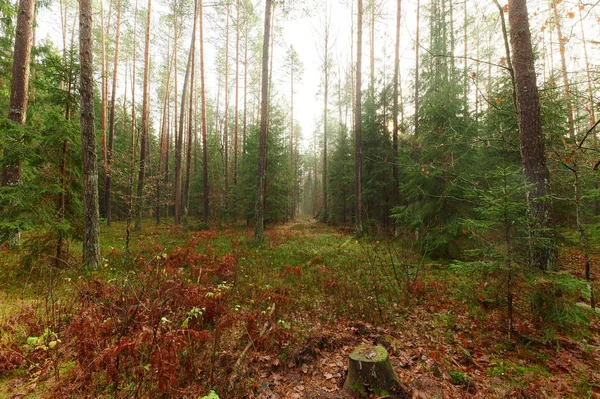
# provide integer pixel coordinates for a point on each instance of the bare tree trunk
(395, 173)
(237, 93)
(203, 111)
(532, 145)
(245, 89)
(163, 131)
(563, 61)
(226, 126)
(264, 119)
(357, 124)
(104, 82)
(188, 160)
(11, 170)
(179, 142)
(590, 89)
(111, 133)
(145, 139)
(326, 69)
(91, 215)
(417, 72)
(130, 209)
(292, 165)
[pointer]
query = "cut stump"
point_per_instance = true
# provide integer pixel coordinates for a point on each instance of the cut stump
(370, 371)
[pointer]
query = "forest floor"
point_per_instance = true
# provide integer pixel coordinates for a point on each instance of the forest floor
(182, 313)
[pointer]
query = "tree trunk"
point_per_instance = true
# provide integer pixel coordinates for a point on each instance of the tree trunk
(203, 111)
(17, 112)
(133, 133)
(91, 215)
(111, 126)
(357, 125)
(395, 174)
(145, 139)
(188, 157)
(226, 124)
(264, 120)
(237, 93)
(417, 45)
(179, 141)
(542, 247)
(563, 62)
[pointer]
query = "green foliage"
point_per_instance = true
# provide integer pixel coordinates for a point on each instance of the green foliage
(211, 395)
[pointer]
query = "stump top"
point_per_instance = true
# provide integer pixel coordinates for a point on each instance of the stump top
(369, 353)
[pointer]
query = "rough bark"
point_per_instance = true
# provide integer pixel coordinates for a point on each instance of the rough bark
(417, 45)
(237, 92)
(532, 144)
(17, 112)
(264, 120)
(91, 215)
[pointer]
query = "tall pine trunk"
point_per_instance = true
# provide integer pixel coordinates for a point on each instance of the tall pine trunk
(145, 124)
(542, 244)
(111, 126)
(91, 215)
(259, 226)
(357, 124)
(395, 174)
(203, 115)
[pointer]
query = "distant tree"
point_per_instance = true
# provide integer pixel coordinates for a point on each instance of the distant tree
(357, 125)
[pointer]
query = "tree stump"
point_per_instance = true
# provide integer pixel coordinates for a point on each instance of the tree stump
(370, 370)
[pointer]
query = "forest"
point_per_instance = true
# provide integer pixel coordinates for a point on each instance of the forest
(256, 198)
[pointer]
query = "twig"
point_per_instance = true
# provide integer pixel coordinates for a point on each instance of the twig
(238, 363)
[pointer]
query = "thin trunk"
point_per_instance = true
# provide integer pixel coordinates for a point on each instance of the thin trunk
(226, 126)
(237, 93)
(563, 61)
(293, 202)
(542, 253)
(417, 45)
(104, 82)
(395, 174)
(203, 111)
(357, 125)
(179, 141)
(245, 89)
(111, 133)
(163, 130)
(188, 158)
(264, 118)
(91, 214)
(133, 133)
(372, 55)
(145, 124)
(590, 89)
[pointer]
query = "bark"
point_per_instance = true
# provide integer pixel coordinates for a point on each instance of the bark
(163, 130)
(188, 160)
(179, 141)
(111, 126)
(133, 133)
(237, 93)
(91, 215)
(563, 62)
(326, 68)
(226, 124)
(395, 174)
(357, 125)
(294, 183)
(145, 124)
(590, 88)
(17, 112)
(203, 112)
(264, 119)
(417, 45)
(532, 145)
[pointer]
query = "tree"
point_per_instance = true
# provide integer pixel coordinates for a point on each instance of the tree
(111, 126)
(91, 215)
(145, 139)
(17, 112)
(396, 189)
(203, 111)
(357, 125)
(532, 145)
(259, 226)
